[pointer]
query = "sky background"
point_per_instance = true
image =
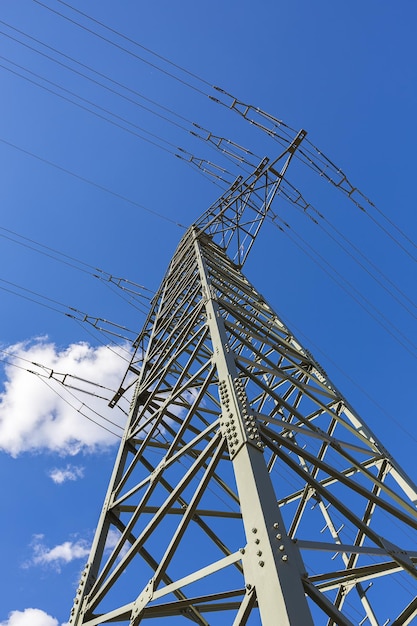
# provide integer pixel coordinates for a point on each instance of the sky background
(92, 122)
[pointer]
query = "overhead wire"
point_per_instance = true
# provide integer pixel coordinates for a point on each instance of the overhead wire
(122, 36)
(92, 183)
(68, 311)
(80, 411)
(362, 300)
(71, 261)
(44, 378)
(312, 156)
(205, 166)
(119, 34)
(114, 44)
(338, 238)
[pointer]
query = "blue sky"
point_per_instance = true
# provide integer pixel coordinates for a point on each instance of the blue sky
(91, 187)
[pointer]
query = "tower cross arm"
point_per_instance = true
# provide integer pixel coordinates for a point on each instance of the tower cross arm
(235, 219)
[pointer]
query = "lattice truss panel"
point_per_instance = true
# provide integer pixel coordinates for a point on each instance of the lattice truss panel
(244, 475)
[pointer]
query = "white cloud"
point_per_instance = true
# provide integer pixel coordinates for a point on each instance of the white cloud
(70, 472)
(30, 617)
(59, 555)
(34, 418)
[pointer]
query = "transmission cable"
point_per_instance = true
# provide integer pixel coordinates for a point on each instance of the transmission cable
(318, 219)
(112, 43)
(93, 184)
(194, 130)
(73, 262)
(312, 156)
(231, 152)
(97, 73)
(83, 404)
(67, 310)
(116, 32)
(342, 282)
(80, 411)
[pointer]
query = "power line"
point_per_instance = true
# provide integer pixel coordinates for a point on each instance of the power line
(112, 43)
(319, 260)
(313, 156)
(98, 323)
(159, 56)
(92, 183)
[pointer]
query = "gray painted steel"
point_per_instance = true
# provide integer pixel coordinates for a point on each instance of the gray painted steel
(246, 490)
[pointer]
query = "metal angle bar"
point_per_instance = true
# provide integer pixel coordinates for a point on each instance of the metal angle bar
(355, 486)
(203, 525)
(407, 615)
(189, 513)
(323, 546)
(356, 575)
(197, 575)
(326, 482)
(165, 463)
(350, 562)
(307, 490)
(296, 413)
(120, 614)
(270, 368)
(326, 605)
(172, 394)
(171, 341)
(273, 340)
(180, 511)
(102, 584)
(279, 588)
(167, 580)
(315, 432)
(213, 601)
(166, 357)
(356, 521)
(274, 337)
(245, 608)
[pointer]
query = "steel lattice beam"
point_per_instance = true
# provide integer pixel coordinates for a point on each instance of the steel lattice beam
(246, 489)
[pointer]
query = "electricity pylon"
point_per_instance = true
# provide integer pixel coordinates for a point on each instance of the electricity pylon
(246, 490)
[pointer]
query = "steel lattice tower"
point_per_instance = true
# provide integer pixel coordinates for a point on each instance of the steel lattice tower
(246, 490)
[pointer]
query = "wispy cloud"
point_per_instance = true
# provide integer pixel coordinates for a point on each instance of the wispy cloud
(34, 418)
(57, 556)
(30, 617)
(70, 472)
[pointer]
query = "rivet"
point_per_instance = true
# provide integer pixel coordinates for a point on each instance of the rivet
(254, 530)
(284, 557)
(259, 553)
(261, 563)
(248, 587)
(257, 541)
(282, 548)
(279, 536)
(276, 525)
(242, 550)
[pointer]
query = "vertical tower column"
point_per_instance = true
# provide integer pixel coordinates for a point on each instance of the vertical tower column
(272, 564)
